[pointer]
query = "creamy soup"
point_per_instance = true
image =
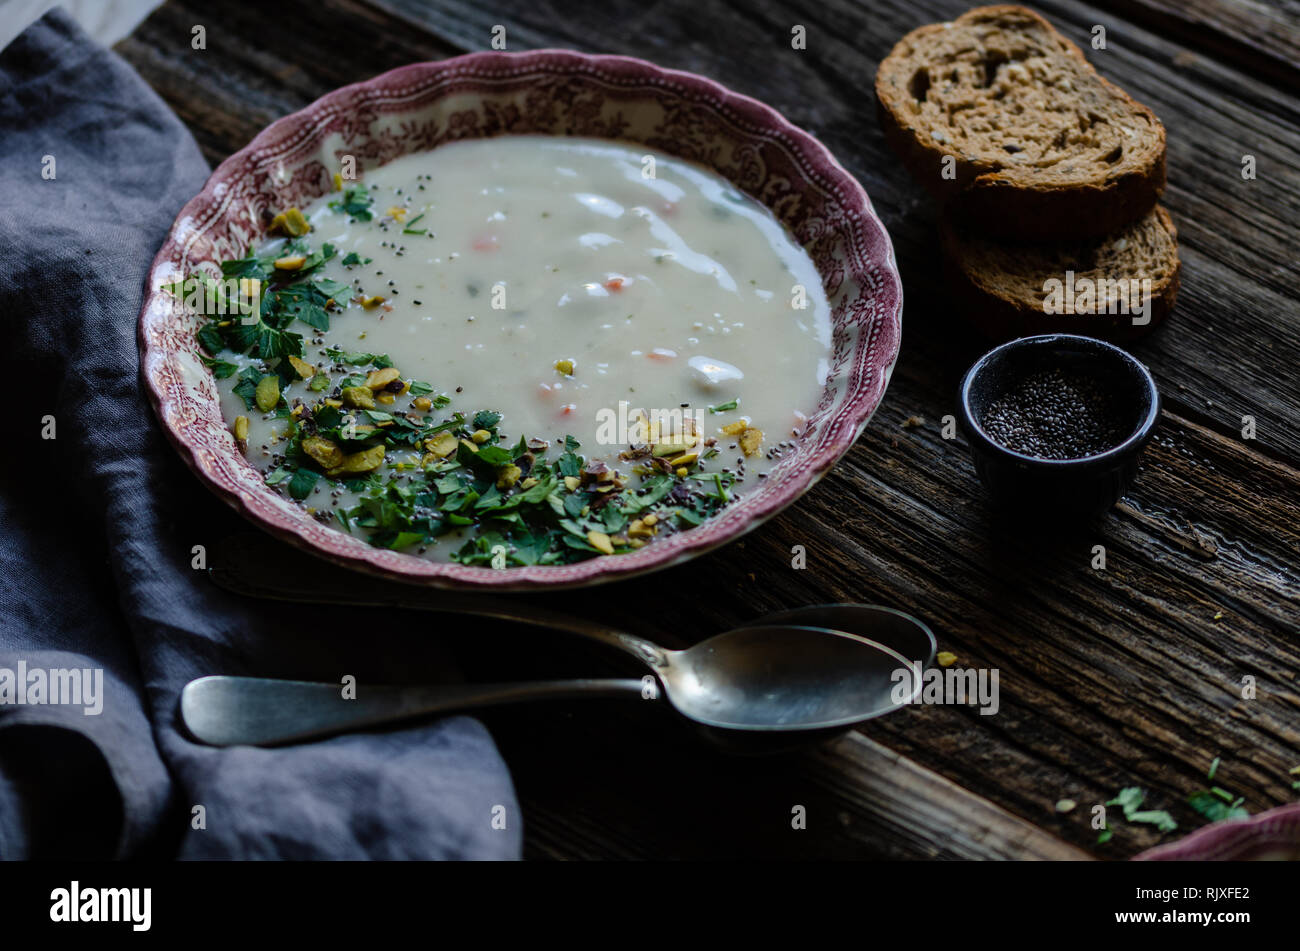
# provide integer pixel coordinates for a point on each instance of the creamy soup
(521, 350)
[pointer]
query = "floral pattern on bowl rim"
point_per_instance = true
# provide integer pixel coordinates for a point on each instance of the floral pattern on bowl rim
(553, 92)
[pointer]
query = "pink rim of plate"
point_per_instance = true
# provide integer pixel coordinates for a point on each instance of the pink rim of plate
(1271, 834)
(558, 92)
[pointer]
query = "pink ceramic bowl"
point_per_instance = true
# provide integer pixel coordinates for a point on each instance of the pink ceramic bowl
(552, 92)
(1271, 835)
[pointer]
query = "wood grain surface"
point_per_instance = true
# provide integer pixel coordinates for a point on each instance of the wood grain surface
(1128, 676)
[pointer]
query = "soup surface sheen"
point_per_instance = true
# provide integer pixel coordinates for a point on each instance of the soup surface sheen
(564, 284)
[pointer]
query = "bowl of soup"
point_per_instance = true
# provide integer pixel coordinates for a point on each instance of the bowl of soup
(521, 321)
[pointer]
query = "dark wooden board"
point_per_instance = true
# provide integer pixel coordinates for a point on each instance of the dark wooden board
(858, 799)
(1262, 39)
(1127, 676)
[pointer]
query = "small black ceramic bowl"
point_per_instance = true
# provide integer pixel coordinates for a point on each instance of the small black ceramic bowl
(1083, 487)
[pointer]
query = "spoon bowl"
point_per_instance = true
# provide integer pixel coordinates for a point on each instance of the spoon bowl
(784, 678)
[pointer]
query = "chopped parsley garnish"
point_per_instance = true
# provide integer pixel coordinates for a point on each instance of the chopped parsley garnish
(358, 359)
(1216, 803)
(725, 407)
(1130, 801)
(221, 369)
(270, 300)
(246, 388)
(356, 201)
(515, 505)
(415, 476)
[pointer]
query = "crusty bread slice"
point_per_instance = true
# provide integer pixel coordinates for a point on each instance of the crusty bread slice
(1003, 286)
(1034, 143)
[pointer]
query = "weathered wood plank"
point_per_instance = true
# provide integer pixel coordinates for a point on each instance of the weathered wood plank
(861, 801)
(255, 70)
(1259, 38)
(937, 820)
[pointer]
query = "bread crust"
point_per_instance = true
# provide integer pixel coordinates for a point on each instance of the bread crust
(986, 196)
(1002, 317)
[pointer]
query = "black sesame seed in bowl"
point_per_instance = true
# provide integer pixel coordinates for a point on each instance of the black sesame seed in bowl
(1056, 414)
(1056, 423)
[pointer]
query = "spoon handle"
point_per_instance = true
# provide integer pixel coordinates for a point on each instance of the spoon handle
(256, 567)
(256, 711)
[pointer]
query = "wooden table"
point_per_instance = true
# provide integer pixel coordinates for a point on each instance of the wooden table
(1128, 676)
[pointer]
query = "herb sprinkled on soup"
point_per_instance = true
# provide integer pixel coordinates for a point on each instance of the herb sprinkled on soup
(519, 351)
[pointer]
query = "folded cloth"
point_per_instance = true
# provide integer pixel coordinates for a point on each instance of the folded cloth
(103, 533)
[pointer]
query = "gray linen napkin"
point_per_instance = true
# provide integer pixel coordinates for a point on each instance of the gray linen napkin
(98, 524)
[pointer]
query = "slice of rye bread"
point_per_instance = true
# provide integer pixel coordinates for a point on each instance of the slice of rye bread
(1002, 286)
(1041, 146)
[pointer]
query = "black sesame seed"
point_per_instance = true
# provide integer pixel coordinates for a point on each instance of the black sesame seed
(1054, 414)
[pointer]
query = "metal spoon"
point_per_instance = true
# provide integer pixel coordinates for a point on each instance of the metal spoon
(777, 679)
(782, 682)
